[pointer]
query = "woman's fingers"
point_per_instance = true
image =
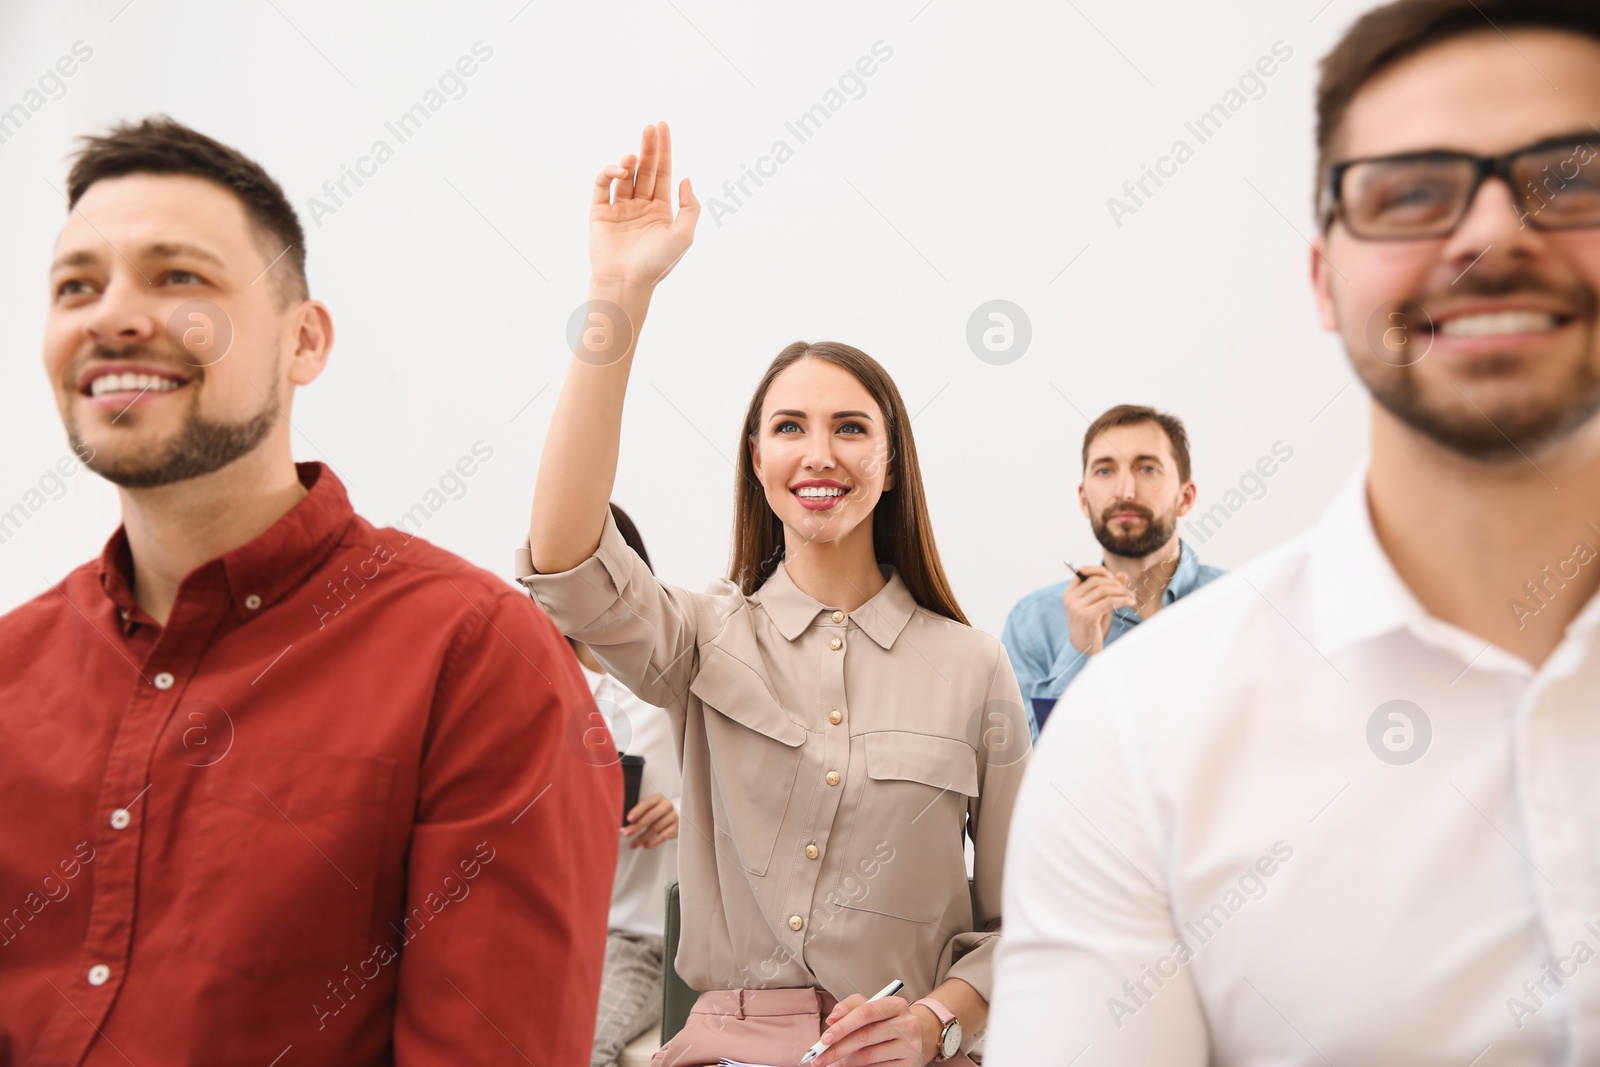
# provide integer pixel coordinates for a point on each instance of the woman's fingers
(602, 184)
(661, 189)
(641, 815)
(845, 1007)
(892, 1039)
(665, 831)
(863, 1013)
(644, 183)
(624, 190)
(688, 210)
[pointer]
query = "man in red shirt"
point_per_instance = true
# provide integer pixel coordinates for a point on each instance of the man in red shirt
(277, 786)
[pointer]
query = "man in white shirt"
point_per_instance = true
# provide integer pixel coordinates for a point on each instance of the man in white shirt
(1354, 814)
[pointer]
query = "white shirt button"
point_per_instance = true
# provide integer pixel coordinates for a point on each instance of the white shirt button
(164, 680)
(252, 602)
(120, 819)
(99, 974)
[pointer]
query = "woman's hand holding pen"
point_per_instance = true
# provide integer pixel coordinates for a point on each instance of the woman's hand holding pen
(653, 821)
(876, 1032)
(1090, 601)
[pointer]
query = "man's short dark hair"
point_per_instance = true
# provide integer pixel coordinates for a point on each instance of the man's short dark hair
(1132, 414)
(1385, 35)
(158, 145)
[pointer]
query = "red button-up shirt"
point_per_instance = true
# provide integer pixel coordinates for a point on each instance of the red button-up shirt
(344, 808)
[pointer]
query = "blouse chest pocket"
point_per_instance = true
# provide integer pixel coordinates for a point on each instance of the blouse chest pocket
(906, 854)
(902, 756)
(755, 750)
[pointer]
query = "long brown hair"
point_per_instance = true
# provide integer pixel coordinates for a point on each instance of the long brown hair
(902, 533)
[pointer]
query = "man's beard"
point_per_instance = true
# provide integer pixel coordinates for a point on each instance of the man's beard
(201, 446)
(1507, 431)
(1157, 531)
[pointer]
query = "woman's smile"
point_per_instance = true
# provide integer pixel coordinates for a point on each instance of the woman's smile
(819, 494)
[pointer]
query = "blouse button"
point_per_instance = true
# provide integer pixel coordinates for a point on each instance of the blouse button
(164, 680)
(836, 644)
(833, 777)
(99, 974)
(838, 616)
(252, 602)
(834, 717)
(796, 923)
(120, 819)
(812, 852)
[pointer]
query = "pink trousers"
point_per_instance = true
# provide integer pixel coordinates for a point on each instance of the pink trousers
(768, 1026)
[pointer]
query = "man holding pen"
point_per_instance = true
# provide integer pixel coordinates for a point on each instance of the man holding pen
(1135, 487)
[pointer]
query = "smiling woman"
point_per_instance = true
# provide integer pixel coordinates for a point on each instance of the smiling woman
(832, 707)
(871, 448)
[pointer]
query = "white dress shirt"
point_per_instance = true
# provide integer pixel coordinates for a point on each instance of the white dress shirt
(639, 895)
(1233, 848)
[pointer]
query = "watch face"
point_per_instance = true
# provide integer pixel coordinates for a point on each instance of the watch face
(950, 1040)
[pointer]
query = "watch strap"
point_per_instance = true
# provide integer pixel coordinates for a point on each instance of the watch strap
(940, 1012)
(945, 1016)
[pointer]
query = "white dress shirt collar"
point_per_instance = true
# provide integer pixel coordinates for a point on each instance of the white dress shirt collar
(1358, 595)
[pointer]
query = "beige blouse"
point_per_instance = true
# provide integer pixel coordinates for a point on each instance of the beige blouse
(831, 762)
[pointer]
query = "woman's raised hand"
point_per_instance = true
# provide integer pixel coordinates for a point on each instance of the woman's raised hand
(633, 239)
(633, 242)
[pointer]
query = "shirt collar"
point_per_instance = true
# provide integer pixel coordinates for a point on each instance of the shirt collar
(268, 567)
(1357, 593)
(881, 618)
(1587, 619)
(1185, 577)
(1185, 580)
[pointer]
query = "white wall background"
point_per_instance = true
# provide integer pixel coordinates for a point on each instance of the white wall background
(976, 165)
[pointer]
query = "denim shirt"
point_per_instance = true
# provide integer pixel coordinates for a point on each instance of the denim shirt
(1042, 653)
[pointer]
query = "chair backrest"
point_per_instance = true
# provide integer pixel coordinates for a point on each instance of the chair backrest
(676, 996)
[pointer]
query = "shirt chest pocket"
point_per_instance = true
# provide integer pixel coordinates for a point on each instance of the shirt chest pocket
(755, 750)
(906, 853)
(286, 865)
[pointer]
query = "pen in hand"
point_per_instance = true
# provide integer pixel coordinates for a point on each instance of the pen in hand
(820, 1047)
(1079, 574)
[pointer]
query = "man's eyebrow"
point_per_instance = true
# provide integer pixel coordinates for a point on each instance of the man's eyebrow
(1097, 460)
(792, 413)
(159, 250)
(172, 249)
(81, 258)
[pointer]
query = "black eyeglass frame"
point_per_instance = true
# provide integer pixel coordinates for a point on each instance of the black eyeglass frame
(1485, 167)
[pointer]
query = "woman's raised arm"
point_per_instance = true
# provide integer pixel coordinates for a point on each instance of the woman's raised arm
(634, 242)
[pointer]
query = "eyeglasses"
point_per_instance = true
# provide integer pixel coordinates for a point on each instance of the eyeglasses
(1556, 184)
